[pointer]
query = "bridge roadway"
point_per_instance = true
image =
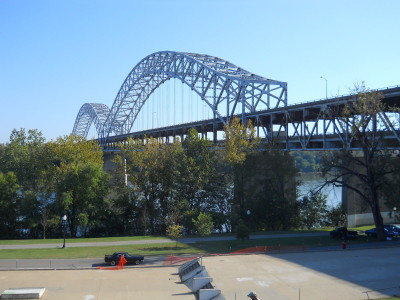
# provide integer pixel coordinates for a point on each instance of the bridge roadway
(304, 126)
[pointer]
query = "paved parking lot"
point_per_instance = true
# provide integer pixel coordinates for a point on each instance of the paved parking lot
(133, 283)
(333, 275)
(341, 275)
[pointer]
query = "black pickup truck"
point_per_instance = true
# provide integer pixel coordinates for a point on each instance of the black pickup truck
(343, 233)
(113, 259)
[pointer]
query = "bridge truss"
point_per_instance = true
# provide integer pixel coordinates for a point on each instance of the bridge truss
(227, 89)
(307, 126)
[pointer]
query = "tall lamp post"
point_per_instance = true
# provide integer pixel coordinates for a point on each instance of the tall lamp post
(64, 224)
(326, 87)
(394, 213)
(248, 213)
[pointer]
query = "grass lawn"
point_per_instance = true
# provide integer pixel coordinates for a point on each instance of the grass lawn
(97, 252)
(172, 248)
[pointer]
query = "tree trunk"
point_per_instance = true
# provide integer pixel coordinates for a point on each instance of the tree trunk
(378, 220)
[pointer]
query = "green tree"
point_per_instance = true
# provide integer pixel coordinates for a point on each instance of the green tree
(47, 220)
(24, 156)
(202, 184)
(197, 167)
(203, 224)
(240, 141)
(336, 216)
(8, 205)
(153, 169)
(365, 172)
(79, 181)
(81, 193)
(271, 191)
(242, 231)
(307, 161)
(313, 210)
(175, 232)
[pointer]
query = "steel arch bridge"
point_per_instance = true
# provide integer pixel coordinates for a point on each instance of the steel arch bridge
(227, 90)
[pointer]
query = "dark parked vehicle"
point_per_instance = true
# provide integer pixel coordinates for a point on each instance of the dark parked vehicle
(114, 258)
(343, 233)
(393, 227)
(389, 233)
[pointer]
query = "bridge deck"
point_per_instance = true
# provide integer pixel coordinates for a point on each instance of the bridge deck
(304, 126)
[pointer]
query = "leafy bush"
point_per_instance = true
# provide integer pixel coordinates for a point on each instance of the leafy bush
(204, 224)
(242, 232)
(175, 231)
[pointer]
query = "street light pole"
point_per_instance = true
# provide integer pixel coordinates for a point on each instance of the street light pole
(394, 214)
(64, 223)
(326, 87)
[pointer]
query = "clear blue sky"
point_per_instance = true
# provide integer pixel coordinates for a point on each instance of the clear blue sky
(57, 55)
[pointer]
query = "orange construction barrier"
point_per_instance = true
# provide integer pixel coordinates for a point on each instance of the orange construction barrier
(122, 262)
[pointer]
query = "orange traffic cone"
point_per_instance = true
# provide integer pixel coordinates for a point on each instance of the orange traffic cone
(122, 262)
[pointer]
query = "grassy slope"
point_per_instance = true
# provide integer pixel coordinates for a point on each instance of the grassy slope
(165, 248)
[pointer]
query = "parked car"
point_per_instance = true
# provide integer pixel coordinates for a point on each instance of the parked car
(392, 227)
(343, 233)
(113, 259)
(389, 233)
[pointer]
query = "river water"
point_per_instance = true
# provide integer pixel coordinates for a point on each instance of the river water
(313, 181)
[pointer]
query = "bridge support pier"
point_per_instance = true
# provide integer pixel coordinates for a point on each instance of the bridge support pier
(357, 210)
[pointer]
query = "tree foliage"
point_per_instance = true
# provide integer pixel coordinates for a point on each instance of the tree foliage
(365, 172)
(155, 185)
(271, 191)
(242, 231)
(203, 224)
(240, 140)
(79, 182)
(152, 170)
(175, 231)
(23, 156)
(306, 161)
(8, 205)
(336, 216)
(202, 183)
(172, 183)
(313, 210)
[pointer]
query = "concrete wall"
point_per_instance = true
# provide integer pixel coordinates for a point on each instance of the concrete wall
(367, 219)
